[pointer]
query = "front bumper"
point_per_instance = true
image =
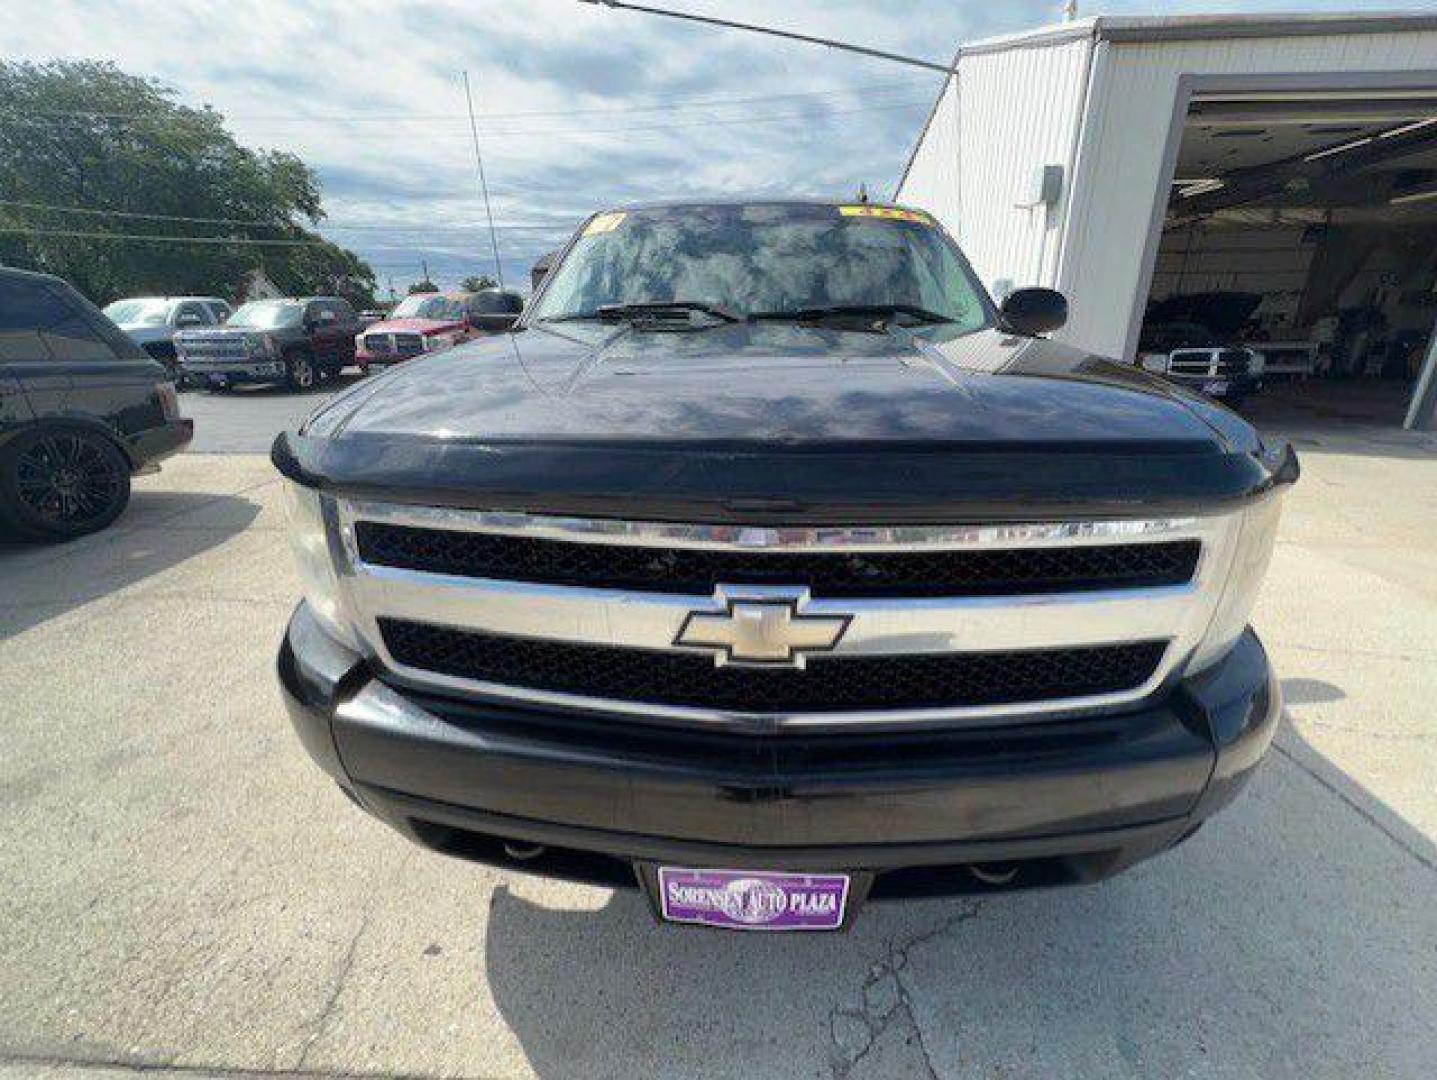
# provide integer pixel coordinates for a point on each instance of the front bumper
(233, 372)
(364, 357)
(153, 445)
(1222, 387)
(906, 814)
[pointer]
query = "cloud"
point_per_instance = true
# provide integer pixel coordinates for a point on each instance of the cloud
(369, 93)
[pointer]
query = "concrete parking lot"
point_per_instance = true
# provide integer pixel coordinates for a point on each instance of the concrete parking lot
(183, 895)
(244, 420)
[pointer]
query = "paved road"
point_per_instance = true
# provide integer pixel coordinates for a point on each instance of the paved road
(182, 894)
(246, 420)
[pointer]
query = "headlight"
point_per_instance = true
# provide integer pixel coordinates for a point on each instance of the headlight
(1257, 529)
(1257, 362)
(309, 540)
(268, 345)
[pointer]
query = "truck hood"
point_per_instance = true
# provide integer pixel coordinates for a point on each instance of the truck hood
(755, 418)
(211, 333)
(145, 333)
(412, 326)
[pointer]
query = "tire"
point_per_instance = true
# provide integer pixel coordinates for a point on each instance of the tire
(62, 483)
(301, 374)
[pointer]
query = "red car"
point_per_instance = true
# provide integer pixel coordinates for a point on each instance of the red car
(428, 322)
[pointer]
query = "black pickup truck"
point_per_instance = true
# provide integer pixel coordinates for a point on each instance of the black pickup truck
(768, 567)
(295, 342)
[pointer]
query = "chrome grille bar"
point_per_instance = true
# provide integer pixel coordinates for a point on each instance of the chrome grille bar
(1178, 614)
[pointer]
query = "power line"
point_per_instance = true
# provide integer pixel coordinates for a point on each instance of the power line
(868, 89)
(722, 121)
(97, 212)
(83, 235)
(214, 240)
(543, 132)
(754, 28)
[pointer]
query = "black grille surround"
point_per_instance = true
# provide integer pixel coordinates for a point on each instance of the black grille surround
(1020, 571)
(829, 684)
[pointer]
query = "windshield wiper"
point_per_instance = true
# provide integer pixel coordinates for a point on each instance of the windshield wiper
(842, 311)
(649, 309)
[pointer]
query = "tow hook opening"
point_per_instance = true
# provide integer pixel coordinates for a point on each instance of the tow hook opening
(996, 874)
(522, 852)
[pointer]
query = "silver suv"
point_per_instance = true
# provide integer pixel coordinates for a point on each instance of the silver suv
(151, 322)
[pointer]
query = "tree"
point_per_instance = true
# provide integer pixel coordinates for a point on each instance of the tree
(425, 286)
(85, 136)
(478, 283)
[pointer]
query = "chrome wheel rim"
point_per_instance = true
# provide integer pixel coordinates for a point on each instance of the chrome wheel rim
(67, 480)
(303, 372)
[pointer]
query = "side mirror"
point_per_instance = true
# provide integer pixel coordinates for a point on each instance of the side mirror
(496, 323)
(540, 270)
(505, 309)
(1031, 312)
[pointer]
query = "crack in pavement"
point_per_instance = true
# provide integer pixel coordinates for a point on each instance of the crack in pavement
(346, 964)
(210, 1072)
(854, 1030)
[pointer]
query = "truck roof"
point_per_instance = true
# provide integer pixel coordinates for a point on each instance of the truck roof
(678, 204)
(177, 299)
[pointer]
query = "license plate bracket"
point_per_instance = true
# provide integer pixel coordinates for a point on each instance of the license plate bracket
(754, 899)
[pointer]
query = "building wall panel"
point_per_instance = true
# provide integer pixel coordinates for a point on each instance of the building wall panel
(934, 180)
(1012, 112)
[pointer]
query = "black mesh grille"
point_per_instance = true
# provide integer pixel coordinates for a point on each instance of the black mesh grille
(1013, 571)
(829, 684)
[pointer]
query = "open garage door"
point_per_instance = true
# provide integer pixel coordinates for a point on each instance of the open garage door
(1297, 270)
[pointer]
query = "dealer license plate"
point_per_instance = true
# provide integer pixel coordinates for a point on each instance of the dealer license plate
(753, 899)
(1215, 388)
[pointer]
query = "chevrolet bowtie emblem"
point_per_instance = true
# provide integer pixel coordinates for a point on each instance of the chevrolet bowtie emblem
(769, 630)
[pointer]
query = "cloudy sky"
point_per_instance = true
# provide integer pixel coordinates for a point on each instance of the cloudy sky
(580, 107)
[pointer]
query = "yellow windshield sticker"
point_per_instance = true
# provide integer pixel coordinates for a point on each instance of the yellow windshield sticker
(890, 213)
(602, 223)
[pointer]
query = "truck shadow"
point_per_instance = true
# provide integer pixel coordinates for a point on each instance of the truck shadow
(41, 581)
(1293, 936)
(341, 382)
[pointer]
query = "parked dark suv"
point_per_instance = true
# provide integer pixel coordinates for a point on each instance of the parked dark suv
(293, 341)
(82, 409)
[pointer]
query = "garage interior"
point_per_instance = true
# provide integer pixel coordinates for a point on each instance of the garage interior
(1303, 226)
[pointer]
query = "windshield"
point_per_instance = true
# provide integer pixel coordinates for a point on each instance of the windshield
(138, 312)
(429, 306)
(267, 314)
(766, 259)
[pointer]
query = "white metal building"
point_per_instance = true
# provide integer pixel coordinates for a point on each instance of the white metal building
(1128, 160)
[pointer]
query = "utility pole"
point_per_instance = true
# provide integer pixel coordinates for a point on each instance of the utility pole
(483, 184)
(424, 263)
